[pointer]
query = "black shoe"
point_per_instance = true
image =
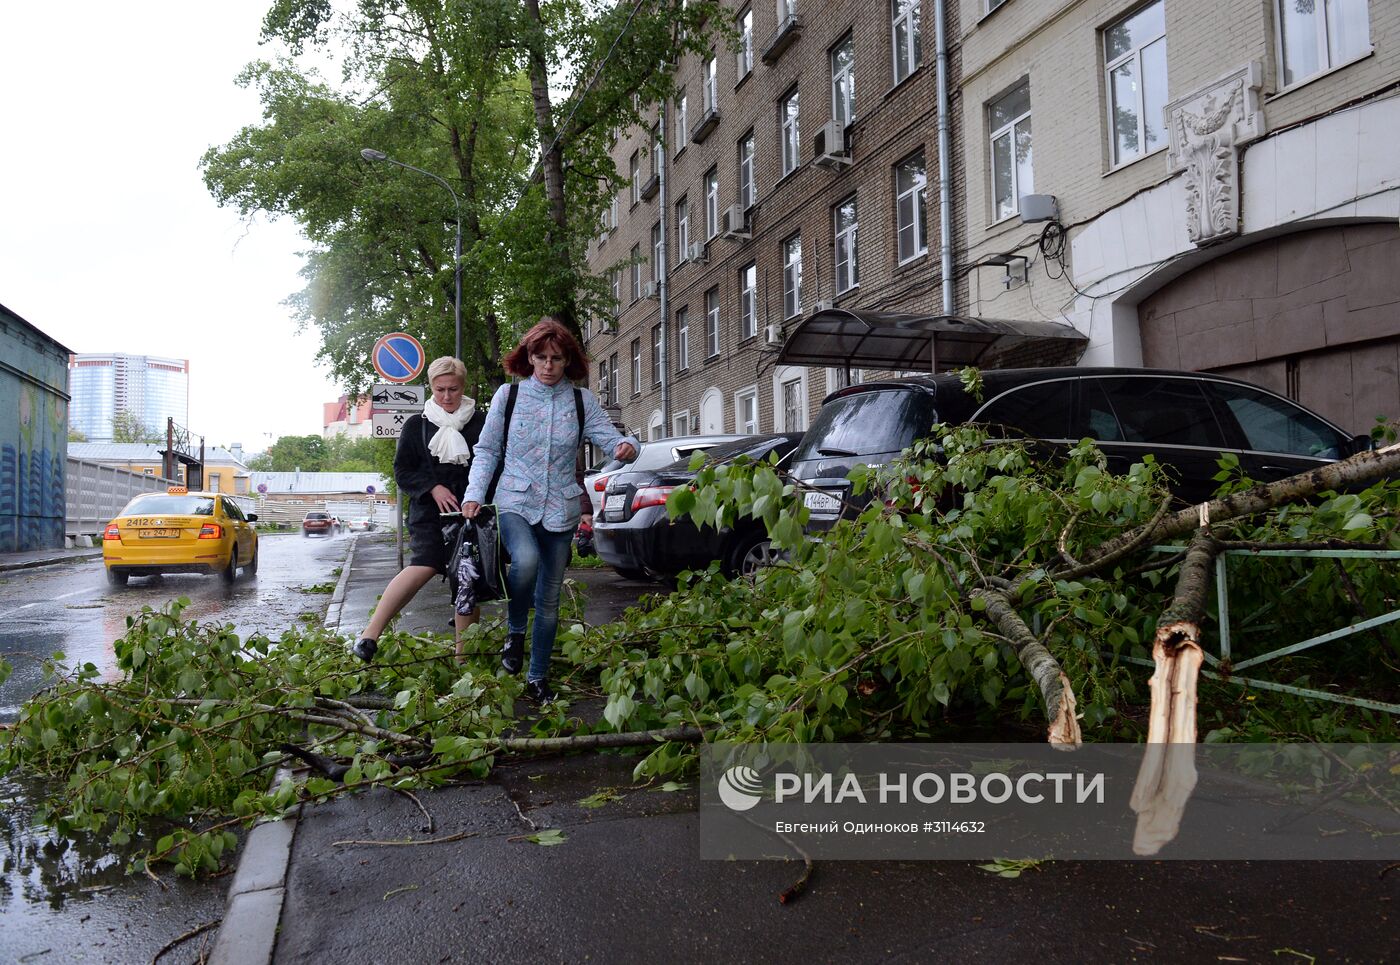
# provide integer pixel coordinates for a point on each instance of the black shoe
(365, 649)
(513, 653)
(539, 691)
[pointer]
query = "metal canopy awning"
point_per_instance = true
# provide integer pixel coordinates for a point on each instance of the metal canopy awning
(884, 340)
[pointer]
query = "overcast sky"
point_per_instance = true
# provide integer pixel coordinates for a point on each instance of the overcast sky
(109, 241)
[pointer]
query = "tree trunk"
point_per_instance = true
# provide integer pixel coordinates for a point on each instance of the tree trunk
(1055, 690)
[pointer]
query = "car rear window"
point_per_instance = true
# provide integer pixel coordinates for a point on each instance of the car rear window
(728, 451)
(167, 503)
(317, 516)
(868, 423)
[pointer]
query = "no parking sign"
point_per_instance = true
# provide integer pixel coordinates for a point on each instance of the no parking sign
(398, 357)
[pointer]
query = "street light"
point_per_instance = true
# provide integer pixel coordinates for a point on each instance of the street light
(370, 154)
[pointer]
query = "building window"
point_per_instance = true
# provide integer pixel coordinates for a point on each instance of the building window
(656, 252)
(787, 9)
(746, 411)
(603, 381)
(746, 185)
(843, 82)
(613, 216)
(636, 366)
(844, 232)
(612, 379)
(709, 91)
(656, 150)
(748, 301)
(911, 189)
(213, 482)
(1320, 35)
(682, 229)
(743, 61)
(682, 121)
(680, 423)
(839, 378)
(1009, 118)
(904, 30)
(636, 272)
(792, 276)
(615, 283)
(712, 323)
(790, 134)
(634, 171)
(654, 428)
(794, 406)
(682, 339)
(711, 203)
(1135, 69)
(656, 366)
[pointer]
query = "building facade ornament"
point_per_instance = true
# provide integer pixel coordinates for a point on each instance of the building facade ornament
(1207, 129)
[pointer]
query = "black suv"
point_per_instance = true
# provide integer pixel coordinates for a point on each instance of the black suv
(1185, 419)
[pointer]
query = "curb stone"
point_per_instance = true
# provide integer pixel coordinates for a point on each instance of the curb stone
(338, 597)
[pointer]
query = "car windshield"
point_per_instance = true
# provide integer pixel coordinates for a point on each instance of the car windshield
(867, 424)
(168, 503)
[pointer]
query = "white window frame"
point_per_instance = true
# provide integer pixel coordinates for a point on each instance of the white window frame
(847, 266)
(786, 9)
(904, 15)
(680, 423)
(748, 301)
(747, 188)
(792, 277)
(682, 228)
(917, 196)
(1133, 56)
(743, 399)
(709, 86)
(656, 252)
(636, 366)
(743, 58)
(712, 323)
(634, 168)
(636, 272)
(786, 377)
(1322, 29)
(615, 281)
(656, 148)
(682, 339)
(843, 83)
(682, 122)
(656, 427)
(614, 214)
(711, 203)
(836, 378)
(790, 132)
(1010, 131)
(656, 354)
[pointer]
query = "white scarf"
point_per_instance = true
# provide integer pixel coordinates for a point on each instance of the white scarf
(447, 443)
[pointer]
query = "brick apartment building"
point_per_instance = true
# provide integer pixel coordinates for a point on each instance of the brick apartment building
(770, 213)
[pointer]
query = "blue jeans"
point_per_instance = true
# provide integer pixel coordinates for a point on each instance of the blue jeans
(538, 558)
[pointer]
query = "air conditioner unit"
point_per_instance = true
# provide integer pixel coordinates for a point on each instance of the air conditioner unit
(650, 289)
(696, 251)
(822, 305)
(732, 224)
(773, 334)
(829, 146)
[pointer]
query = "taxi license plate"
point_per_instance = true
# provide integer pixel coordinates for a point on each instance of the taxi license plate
(821, 502)
(616, 503)
(159, 533)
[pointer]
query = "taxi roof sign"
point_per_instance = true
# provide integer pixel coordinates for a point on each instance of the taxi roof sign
(398, 357)
(177, 490)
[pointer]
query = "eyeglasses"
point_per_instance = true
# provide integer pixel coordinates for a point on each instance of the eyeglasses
(548, 359)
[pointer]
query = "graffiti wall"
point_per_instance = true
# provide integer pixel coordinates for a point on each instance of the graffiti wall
(33, 436)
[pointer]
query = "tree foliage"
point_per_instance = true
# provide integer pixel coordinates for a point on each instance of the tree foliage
(313, 453)
(881, 631)
(128, 427)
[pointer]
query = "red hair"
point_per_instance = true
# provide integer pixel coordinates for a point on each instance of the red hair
(548, 331)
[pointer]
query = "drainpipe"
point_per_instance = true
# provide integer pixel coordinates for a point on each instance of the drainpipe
(663, 287)
(945, 181)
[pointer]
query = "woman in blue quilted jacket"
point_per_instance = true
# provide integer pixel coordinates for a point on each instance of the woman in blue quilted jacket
(537, 493)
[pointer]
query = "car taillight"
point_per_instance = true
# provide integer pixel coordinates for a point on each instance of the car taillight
(111, 532)
(600, 484)
(651, 496)
(211, 531)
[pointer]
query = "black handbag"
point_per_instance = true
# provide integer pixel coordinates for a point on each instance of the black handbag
(476, 565)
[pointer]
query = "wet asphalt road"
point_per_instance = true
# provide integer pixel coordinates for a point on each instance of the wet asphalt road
(76, 903)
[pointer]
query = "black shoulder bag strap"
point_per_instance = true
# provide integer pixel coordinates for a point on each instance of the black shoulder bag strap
(505, 439)
(578, 407)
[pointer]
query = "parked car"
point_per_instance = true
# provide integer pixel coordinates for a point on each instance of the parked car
(636, 537)
(323, 524)
(650, 455)
(180, 532)
(1185, 419)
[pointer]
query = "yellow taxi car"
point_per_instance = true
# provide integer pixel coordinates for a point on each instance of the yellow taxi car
(178, 531)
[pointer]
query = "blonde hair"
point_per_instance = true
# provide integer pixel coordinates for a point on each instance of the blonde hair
(447, 365)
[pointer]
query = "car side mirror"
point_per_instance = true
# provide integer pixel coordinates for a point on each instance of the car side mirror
(252, 517)
(1361, 442)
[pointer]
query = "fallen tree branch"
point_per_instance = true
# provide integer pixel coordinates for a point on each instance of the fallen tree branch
(1168, 772)
(1063, 728)
(579, 742)
(192, 933)
(407, 842)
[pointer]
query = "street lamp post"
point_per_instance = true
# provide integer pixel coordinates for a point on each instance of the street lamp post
(370, 154)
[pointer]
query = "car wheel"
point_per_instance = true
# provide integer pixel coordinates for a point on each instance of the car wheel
(230, 572)
(753, 553)
(117, 577)
(628, 573)
(251, 567)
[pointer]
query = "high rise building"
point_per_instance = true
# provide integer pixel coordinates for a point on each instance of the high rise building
(150, 388)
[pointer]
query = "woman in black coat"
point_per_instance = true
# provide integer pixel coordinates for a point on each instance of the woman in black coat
(431, 467)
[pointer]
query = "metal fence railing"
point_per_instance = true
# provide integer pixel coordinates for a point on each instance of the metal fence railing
(94, 493)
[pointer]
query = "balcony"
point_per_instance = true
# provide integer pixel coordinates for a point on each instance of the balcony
(652, 185)
(784, 37)
(707, 124)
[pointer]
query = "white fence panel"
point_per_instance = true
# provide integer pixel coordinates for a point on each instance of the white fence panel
(94, 493)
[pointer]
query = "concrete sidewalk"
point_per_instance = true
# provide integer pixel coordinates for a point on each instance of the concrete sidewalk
(48, 557)
(627, 885)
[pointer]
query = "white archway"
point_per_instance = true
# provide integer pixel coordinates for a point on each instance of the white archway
(656, 426)
(712, 411)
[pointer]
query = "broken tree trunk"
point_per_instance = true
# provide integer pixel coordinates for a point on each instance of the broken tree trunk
(1168, 772)
(1063, 728)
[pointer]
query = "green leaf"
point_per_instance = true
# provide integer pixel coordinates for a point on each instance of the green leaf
(547, 838)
